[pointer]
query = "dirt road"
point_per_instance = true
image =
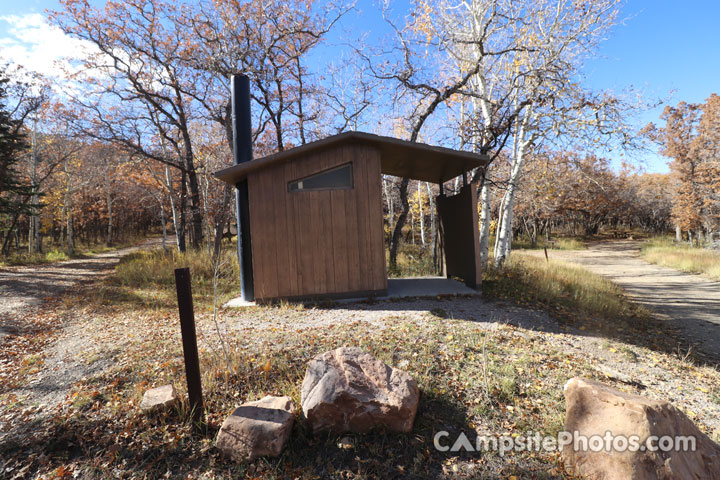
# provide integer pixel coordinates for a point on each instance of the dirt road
(24, 292)
(26, 287)
(690, 302)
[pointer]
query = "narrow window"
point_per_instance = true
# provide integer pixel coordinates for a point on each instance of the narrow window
(335, 178)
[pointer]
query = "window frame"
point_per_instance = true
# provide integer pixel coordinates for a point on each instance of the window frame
(299, 181)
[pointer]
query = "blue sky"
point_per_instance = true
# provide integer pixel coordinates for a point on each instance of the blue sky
(669, 49)
(666, 48)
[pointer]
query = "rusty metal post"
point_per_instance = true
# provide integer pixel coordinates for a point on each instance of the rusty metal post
(189, 341)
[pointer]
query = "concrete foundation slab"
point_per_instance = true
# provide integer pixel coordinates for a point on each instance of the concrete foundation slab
(239, 303)
(399, 288)
(426, 287)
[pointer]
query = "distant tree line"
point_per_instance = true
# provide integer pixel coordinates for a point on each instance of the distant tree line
(132, 142)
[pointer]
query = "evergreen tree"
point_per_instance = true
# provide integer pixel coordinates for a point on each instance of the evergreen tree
(14, 192)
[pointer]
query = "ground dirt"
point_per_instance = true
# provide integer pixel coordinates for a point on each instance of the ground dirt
(25, 287)
(29, 296)
(691, 303)
(89, 343)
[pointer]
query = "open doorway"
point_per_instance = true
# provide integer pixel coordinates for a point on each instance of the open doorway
(439, 239)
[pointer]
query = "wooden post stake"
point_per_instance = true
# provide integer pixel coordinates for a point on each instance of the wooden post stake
(189, 341)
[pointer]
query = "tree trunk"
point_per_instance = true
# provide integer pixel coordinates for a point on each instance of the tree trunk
(504, 238)
(503, 243)
(431, 205)
(412, 226)
(183, 217)
(108, 201)
(484, 220)
(196, 216)
(164, 225)
(422, 215)
(70, 238)
(8, 235)
(173, 209)
(221, 219)
(397, 231)
(501, 214)
(391, 209)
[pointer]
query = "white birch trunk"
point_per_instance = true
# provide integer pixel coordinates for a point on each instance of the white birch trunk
(164, 226)
(484, 221)
(422, 215)
(173, 207)
(109, 202)
(485, 193)
(388, 197)
(503, 241)
(33, 228)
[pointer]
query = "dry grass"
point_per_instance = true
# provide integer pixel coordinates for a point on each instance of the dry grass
(50, 256)
(412, 261)
(471, 378)
(533, 280)
(562, 243)
(663, 251)
(148, 277)
(54, 253)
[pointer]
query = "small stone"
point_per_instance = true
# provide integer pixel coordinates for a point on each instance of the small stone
(257, 429)
(159, 399)
(348, 390)
(345, 443)
(592, 409)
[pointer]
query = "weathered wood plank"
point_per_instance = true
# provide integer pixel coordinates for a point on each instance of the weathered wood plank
(351, 225)
(280, 226)
(290, 234)
(363, 213)
(375, 217)
(258, 232)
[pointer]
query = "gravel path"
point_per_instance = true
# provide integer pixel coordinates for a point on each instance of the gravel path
(24, 296)
(690, 302)
(27, 287)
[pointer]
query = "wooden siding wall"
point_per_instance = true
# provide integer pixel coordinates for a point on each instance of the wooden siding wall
(318, 243)
(459, 217)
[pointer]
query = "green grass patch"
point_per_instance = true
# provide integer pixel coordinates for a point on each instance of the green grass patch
(665, 252)
(34, 258)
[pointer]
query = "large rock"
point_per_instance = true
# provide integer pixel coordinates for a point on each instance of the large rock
(347, 390)
(159, 399)
(594, 409)
(257, 429)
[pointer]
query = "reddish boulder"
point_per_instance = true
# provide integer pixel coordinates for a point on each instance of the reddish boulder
(159, 399)
(347, 390)
(257, 429)
(594, 409)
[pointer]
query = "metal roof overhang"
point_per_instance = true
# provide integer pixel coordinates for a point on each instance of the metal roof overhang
(400, 158)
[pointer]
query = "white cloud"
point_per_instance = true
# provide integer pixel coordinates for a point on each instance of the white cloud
(35, 45)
